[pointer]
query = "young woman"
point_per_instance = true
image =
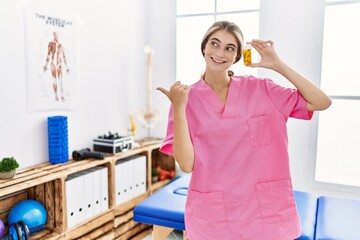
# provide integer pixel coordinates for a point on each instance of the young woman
(230, 132)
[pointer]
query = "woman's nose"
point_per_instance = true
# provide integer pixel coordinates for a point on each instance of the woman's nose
(220, 52)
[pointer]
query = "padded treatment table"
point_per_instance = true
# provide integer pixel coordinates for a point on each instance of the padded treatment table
(338, 219)
(165, 210)
(307, 207)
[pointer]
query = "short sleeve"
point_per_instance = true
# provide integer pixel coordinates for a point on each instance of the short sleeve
(167, 145)
(289, 101)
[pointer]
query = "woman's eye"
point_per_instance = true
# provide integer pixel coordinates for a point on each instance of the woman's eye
(215, 44)
(231, 49)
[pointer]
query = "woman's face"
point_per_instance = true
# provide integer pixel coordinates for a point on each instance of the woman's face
(220, 51)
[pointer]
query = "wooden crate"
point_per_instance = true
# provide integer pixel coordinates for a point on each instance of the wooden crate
(166, 162)
(46, 194)
(46, 183)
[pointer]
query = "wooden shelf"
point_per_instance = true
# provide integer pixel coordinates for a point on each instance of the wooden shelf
(45, 183)
(159, 184)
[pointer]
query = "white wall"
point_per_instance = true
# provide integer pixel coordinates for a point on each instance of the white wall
(161, 29)
(112, 61)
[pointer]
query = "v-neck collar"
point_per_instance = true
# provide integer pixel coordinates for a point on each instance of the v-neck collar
(224, 110)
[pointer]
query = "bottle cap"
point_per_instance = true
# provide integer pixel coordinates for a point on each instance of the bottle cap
(247, 46)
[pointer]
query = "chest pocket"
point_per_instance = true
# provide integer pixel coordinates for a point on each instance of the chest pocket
(260, 130)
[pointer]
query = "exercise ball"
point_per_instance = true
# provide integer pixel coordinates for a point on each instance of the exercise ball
(2, 229)
(31, 212)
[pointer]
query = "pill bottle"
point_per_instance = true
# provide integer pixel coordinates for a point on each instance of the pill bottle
(247, 54)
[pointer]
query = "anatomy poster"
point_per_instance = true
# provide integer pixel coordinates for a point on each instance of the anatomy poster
(52, 68)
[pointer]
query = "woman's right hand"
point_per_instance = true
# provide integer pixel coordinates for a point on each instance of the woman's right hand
(183, 149)
(178, 93)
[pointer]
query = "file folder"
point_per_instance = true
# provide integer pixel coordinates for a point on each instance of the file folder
(139, 175)
(120, 182)
(96, 184)
(74, 199)
(104, 189)
(89, 193)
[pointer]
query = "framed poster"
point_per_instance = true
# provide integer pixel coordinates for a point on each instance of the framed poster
(51, 60)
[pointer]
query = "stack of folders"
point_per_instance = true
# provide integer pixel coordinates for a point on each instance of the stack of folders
(130, 178)
(87, 194)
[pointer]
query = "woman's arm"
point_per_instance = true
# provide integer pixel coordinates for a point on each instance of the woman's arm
(315, 97)
(182, 146)
(183, 149)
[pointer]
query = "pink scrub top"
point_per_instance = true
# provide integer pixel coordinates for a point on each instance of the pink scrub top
(240, 186)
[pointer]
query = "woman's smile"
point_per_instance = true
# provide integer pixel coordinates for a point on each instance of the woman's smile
(217, 61)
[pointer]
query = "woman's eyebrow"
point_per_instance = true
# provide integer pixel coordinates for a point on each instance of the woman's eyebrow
(216, 39)
(229, 44)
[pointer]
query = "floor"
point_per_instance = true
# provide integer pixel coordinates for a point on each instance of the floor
(175, 235)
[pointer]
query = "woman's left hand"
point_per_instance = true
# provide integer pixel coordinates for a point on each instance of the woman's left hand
(269, 58)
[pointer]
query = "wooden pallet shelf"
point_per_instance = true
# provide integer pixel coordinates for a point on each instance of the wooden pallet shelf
(46, 183)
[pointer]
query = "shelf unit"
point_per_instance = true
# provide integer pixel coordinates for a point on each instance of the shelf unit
(46, 183)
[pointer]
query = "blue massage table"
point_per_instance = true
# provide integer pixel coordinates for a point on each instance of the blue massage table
(338, 219)
(306, 204)
(165, 210)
